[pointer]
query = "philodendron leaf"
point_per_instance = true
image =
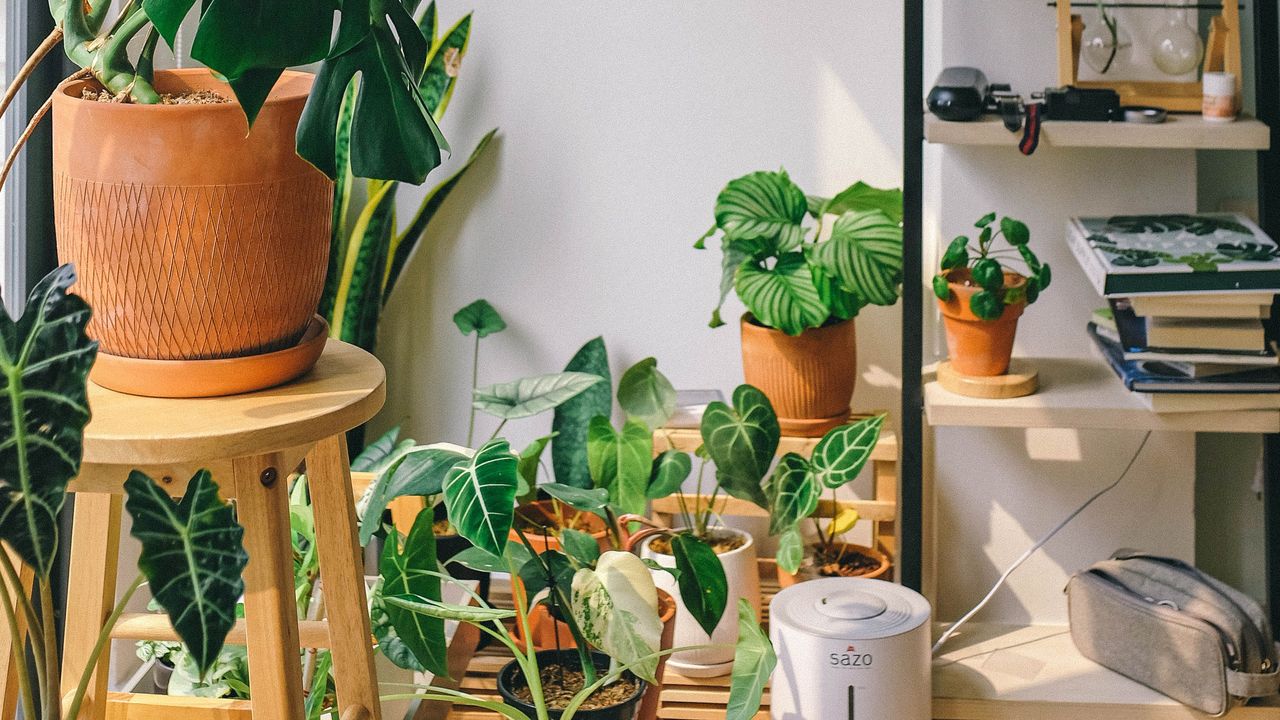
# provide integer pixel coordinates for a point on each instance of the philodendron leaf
(616, 607)
(529, 396)
(594, 500)
(703, 585)
(753, 662)
(840, 454)
(620, 461)
(573, 417)
(480, 318)
(742, 440)
(45, 359)
(376, 456)
(784, 296)
(411, 571)
(193, 558)
(480, 495)
(790, 552)
(764, 205)
(534, 573)
(646, 394)
(580, 547)
(420, 471)
(793, 493)
(864, 253)
(530, 459)
(670, 470)
(441, 611)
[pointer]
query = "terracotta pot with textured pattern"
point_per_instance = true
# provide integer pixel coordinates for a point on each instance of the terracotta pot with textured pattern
(193, 238)
(808, 377)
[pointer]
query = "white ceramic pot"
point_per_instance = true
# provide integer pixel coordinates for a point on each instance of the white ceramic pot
(744, 582)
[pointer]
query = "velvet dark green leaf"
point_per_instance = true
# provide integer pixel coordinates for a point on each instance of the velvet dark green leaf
(408, 571)
(670, 470)
(703, 585)
(572, 418)
(841, 454)
(742, 440)
(793, 493)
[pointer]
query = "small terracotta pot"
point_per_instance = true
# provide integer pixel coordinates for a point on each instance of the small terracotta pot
(807, 571)
(809, 377)
(978, 347)
(193, 237)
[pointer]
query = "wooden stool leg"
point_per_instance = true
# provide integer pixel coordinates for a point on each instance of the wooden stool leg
(95, 555)
(342, 573)
(271, 617)
(12, 648)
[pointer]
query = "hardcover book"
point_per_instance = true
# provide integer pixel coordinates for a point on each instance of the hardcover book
(1135, 345)
(1158, 377)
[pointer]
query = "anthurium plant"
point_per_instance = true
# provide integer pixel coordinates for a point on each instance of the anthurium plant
(192, 556)
(792, 275)
(986, 266)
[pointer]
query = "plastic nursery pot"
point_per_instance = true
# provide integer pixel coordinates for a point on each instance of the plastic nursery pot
(194, 238)
(807, 570)
(808, 378)
(511, 677)
(978, 347)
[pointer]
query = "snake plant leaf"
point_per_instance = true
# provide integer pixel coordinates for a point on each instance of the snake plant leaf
(670, 469)
(793, 493)
(573, 418)
(411, 571)
(865, 253)
(763, 205)
(646, 394)
(592, 500)
(860, 197)
(532, 395)
(45, 358)
(428, 21)
(580, 547)
(480, 495)
(615, 605)
(620, 461)
(529, 461)
(784, 296)
(840, 454)
(790, 553)
(443, 62)
(364, 257)
(742, 440)
(339, 232)
(441, 611)
(753, 662)
(480, 318)
(701, 579)
(419, 471)
(193, 558)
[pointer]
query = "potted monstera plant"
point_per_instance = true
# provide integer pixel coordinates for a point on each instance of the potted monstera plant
(197, 203)
(982, 296)
(803, 285)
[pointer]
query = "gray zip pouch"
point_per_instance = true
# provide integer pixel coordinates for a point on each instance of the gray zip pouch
(1165, 624)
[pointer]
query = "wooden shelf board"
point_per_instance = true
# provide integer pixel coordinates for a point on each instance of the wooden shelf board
(1081, 393)
(688, 440)
(1184, 132)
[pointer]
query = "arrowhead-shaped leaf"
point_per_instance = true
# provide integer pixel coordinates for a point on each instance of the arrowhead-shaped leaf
(793, 493)
(620, 461)
(480, 495)
(753, 663)
(646, 394)
(408, 571)
(573, 417)
(529, 396)
(703, 585)
(480, 318)
(742, 440)
(840, 454)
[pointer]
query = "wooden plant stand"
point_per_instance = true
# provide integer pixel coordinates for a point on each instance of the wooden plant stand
(251, 443)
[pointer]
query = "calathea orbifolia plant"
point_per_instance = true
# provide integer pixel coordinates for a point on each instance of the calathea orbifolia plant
(793, 277)
(191, 550)
(983, 265)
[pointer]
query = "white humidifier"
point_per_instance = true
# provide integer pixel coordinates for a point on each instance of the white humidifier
(850, 649)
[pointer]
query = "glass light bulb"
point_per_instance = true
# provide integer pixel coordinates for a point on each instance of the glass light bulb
(1176, 48)
(1105, 45)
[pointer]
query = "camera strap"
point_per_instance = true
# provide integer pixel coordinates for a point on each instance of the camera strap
(1031, 129)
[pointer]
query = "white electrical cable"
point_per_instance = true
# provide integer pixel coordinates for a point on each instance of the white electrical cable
(1039, 544)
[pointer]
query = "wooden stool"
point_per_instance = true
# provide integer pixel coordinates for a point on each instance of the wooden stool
(250, 443)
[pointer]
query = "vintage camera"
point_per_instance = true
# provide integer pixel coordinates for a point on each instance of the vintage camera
(963, 93)
(1073, 103)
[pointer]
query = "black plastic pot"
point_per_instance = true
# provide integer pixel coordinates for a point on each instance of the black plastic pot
(512, 677)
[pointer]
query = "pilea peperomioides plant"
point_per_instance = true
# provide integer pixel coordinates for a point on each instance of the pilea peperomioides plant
(987, 267)
(192, 554)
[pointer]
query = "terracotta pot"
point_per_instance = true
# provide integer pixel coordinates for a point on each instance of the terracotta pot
(974, 346)
(193, 237)
(808, 572)
(809, 377)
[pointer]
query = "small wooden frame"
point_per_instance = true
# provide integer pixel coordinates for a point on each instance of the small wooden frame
(1221, 54)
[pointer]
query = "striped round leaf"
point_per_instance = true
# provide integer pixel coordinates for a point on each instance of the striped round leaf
(742, 440)
(646, 394)
(529, 396)
(480, 496)
(865, 253)
(734, 254)
(765, 205)
(784, 296)
(840, 454)
(793, 493)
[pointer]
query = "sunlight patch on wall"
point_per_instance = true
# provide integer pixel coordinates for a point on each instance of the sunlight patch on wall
(850, 146)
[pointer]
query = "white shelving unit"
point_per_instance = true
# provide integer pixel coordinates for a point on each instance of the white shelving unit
(1179, 132)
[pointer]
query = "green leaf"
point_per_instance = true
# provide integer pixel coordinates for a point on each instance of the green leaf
(530, 459)
(480, 495)
(428, 21)
(45, 358)
(534, 574)
(411, 571)
(580, 546)
(988, 273)
(703, 586)
(840, 454)
(986, 305)
(985, 220)
(842, 304)
(669, 471)
(192, 557)
(572, 418)
(646, 394)
(793, 493)
(733, 254)
(443, 63)
(418, 472)
(1043, 277)
(615, 606)
(860, 197)
(764, 205)
(814, 205)
(620, 461)
(480, 318)
(389, 643)
(957, 254)
(742, 440)
(753, 662)
(236, 36)
(1015, 231)
(359, 288)
(790, 553)
(864, 253)
(533, 395)
(378, 452)
(784, 296)
(485, 561)
(593, 500)
(941, 288)
(441, 611)
(1029, 257)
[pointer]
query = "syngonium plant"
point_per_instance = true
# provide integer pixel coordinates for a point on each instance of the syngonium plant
(192, 555)
(985, 266)
(792, 276)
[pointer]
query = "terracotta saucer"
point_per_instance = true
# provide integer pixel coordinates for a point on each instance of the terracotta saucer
(211, 378)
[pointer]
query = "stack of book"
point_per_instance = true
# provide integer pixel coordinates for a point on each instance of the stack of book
(1189, 322)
